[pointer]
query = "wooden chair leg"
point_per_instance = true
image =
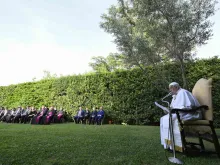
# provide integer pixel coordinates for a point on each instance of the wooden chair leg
(215, 140)
(201, 143)
(183, 138)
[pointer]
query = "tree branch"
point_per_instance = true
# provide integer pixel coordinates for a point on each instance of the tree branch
(125, 14)
(169, 24)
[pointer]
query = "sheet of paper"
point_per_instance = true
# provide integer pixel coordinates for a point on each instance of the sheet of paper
(162, 107)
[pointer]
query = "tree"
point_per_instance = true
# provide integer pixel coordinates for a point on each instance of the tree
(48, 75)
(129, 38)
(111, 63)
(146, 31)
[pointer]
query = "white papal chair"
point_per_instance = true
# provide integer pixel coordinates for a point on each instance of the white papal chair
(203, 129)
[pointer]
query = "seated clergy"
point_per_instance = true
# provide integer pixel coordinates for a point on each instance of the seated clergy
(24, 114)
(93, 115)
(5, 114)
(182, 99)
(17, 115)
(87, 115)
(31, 113)
(10, 115)
(40, 115)
(100, 116)
(59, 116)
(79, 115)
(49, 116)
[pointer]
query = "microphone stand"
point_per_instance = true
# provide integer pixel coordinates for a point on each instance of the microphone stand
(171, 159)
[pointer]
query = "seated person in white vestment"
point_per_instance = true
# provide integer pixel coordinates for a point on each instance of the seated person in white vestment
(182, 99)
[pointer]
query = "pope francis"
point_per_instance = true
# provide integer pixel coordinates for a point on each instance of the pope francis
(182, 99)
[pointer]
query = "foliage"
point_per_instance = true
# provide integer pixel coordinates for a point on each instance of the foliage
(146, 31)
(130, 39)
(48, 75)
(111, 63)
(127, 96)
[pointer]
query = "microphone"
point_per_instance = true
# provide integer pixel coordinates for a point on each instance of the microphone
(168, 104)
(169, 94)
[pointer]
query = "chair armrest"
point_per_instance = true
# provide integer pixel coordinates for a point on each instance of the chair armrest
(202, 107)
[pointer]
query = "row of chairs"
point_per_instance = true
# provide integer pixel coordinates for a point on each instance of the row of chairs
(98, 120)
(43, 117)
(47, 117)
(10, 116)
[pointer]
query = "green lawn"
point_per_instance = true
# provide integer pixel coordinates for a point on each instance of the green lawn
(68, 144)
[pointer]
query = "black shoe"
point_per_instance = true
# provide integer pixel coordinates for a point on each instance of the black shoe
(169, 150)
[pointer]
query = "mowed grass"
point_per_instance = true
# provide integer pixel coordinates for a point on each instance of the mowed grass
(69, 144)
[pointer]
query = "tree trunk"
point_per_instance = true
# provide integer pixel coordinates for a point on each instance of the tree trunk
(183, 73)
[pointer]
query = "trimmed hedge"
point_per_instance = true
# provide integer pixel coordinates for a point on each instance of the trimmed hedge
(127, 96)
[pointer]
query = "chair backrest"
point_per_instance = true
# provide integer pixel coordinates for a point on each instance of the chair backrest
(203, 92)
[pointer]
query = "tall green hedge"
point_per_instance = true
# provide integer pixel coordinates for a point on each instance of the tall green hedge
(127, 96)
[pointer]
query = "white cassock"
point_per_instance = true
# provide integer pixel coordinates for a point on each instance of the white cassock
(182, 100)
